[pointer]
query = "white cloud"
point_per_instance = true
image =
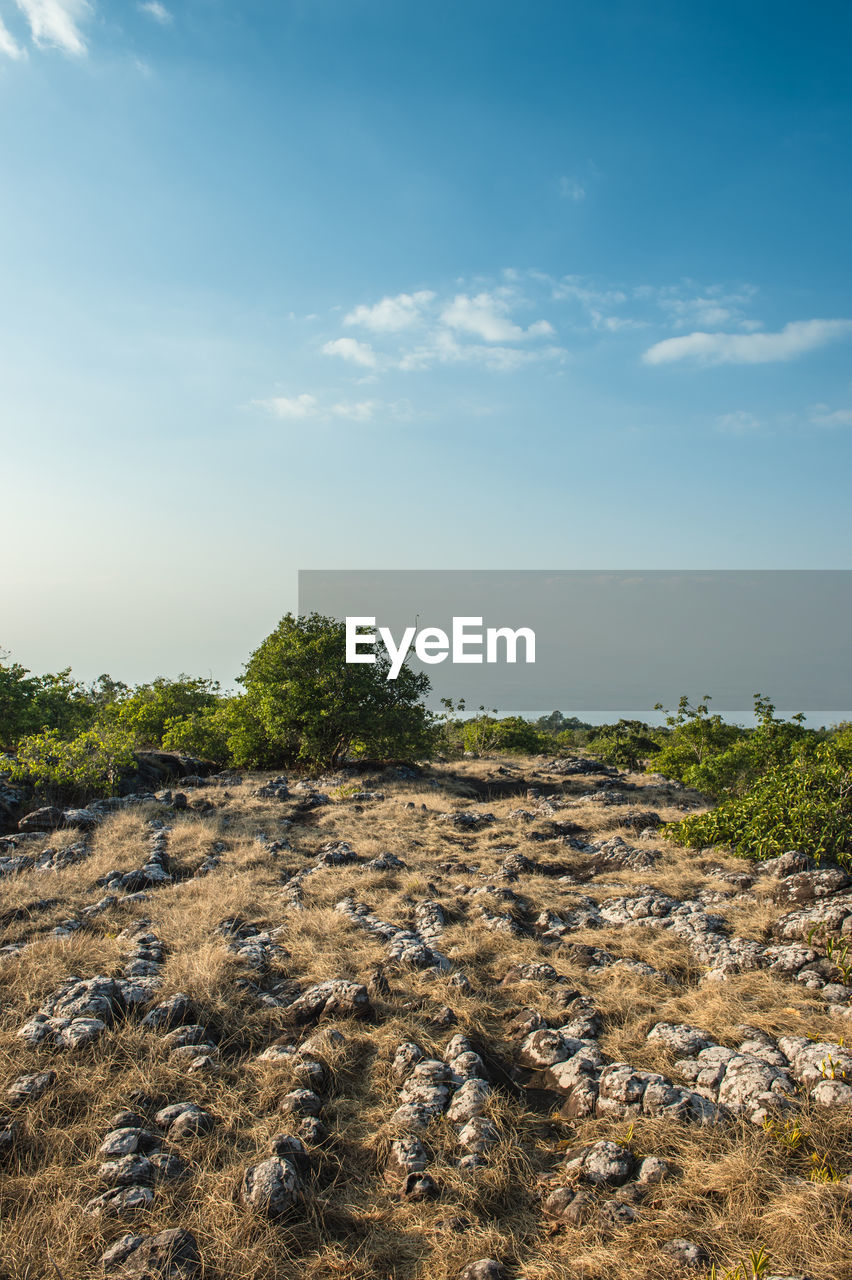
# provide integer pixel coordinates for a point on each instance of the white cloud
(357, 411)
(56, 22)
(486, 316)
(350, 349)
(823, 416)
(392, 314)
(738, 423)
(303, 406)
(793, 340)
(157, 11)
(571, 189)
(8, 43)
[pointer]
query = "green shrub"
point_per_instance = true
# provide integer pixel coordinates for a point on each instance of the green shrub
(721, 759)
(72, 769)
(32, 704)
(516, 734)
(511, 733)
(149, 710)
(694, 739)
(570, 739)
(624, 744)
(202, 733)
(805, 803)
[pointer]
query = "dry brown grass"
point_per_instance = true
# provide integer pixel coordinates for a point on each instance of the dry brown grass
(737, 1187)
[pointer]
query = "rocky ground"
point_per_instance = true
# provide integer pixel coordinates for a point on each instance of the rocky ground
(479, 1022)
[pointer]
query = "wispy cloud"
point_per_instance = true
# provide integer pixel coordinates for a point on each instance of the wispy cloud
(708, 307)
(822, 415)
(502, 325)
(57, 23)
(157, 11)
(392, 314)
(572, 189)
(309, 407)
(357, 410)
(738, 423)
(443, 348)
(303, 406)
(795, 339)
(611, 307)
(351, 349)
(8, 44)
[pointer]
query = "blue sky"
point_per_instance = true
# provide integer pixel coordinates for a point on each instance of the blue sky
(363, 283)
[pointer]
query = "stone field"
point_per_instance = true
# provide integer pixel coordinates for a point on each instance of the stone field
(469, 1021)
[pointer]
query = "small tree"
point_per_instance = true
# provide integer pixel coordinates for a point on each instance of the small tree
(479, 735)
(32, 704)
(17, 691)
(313, 707)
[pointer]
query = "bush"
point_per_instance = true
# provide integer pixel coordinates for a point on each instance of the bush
(151, 710)
(202, 733)
(624, 744)
(725, 760)
(513, 733)
(32, 704)
(569, 740)
(72, 769)
(304, 704)
(486, 733)
(694, 739)
(803, 804)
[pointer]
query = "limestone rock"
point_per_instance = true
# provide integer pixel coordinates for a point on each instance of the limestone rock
(301, 1102)
(335, 998)
(184, 1118)
(483, 1269)
(272, 1187)
(169, 1255)
(686, 1253)
(604, 1163)
(30, 1087)
(568, 1204)
(45, 819)
(121, 1200)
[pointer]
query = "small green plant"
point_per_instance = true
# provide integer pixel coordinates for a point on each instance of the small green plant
(794, 1138)
(790, 1135)
(753, 1267)
(837, 951)
(831, 1069)
(822, 1170)
(347, 789)
(626, 1138)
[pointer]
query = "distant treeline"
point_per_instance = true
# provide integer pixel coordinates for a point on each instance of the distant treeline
(778, 785)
